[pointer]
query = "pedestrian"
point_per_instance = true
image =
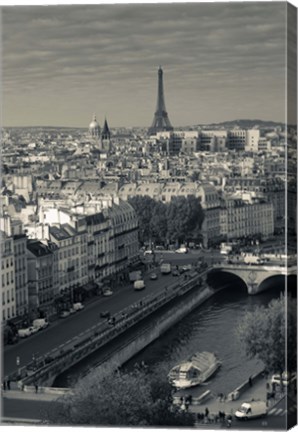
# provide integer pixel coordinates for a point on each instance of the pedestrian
(8, 384)
(250, 381)
(36, 387)
(206, 412)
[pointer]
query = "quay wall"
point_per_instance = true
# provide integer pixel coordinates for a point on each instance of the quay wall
(156, 328)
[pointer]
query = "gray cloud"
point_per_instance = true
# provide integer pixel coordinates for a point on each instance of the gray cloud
(108, 55)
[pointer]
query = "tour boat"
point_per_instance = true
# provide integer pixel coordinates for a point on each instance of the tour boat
(194, 371)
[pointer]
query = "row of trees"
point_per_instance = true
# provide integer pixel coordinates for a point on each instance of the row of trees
(179, 221)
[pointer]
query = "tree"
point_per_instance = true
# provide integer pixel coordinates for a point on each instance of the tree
(269, 334)
(177, 221)
(110, 398)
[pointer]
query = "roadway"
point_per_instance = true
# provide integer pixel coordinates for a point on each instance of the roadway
(62, 330)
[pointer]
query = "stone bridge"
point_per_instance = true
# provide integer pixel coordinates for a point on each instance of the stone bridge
(254, 275)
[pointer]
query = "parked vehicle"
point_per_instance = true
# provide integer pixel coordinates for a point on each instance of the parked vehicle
(107, 293)
(182, 250)
(175, 272)
(226, 248)
(40, 323)
(165, 268)
(78, 306)
(64, 314)
(33, 330)
(153, 276)
(72, 311)
(251, 409)
(139, 285)
(148, 252)
(25, 332)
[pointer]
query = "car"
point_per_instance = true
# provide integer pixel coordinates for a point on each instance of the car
(24, 332)
(182, 250)
(64, 314)
(33, 329)
(153, 276)
(105, 314)
(72, 311)
(287, 378)
(107, 293)
(148, 252)
(78, 306)
(175, 272)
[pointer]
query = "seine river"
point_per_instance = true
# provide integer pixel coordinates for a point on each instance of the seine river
(210, 327)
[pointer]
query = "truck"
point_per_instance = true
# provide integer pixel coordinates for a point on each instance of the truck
(138, 285)
(253, 409)
(165, 268)
(226, 248)
(135, 275)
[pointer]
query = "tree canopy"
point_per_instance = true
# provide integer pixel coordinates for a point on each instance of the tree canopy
(178, 221)
(109, 398)
(269, 334)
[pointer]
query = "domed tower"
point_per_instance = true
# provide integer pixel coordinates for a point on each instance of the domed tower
(94, 128)
(106, 137)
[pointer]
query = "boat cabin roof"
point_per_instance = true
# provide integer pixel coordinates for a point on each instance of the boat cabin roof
(187, 366)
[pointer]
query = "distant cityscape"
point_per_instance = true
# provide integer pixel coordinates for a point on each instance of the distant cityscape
(66, 222)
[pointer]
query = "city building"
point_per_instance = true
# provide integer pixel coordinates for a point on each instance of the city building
(42, 278)
(8, 287)
(243, 220)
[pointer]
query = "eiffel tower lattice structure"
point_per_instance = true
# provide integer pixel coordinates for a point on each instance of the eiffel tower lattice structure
(161, 120)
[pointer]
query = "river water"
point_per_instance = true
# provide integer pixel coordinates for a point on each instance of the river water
(210, 327)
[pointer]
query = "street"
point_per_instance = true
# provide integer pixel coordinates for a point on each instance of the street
(62, 330)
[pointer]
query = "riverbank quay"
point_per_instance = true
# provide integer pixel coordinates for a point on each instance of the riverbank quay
(255, 390)
(31, 406)
(91, 340)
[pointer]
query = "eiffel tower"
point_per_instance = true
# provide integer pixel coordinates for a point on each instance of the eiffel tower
(161, 120)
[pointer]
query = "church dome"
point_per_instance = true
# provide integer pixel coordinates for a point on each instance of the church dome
(94, 128)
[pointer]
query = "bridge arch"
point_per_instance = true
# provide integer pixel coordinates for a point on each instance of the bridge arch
(272, 281)
(218, 278)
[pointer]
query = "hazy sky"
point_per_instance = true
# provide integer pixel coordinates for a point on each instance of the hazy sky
(220, 61)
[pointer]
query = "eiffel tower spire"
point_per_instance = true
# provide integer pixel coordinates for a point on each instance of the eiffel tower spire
(161, 120)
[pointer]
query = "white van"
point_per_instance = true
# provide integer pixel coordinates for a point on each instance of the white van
(251, 409)
(139, 285)
(40, 323)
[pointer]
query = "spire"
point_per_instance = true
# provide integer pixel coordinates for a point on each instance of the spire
(105, 129)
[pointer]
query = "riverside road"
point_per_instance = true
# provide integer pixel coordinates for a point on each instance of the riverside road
(61, 331)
